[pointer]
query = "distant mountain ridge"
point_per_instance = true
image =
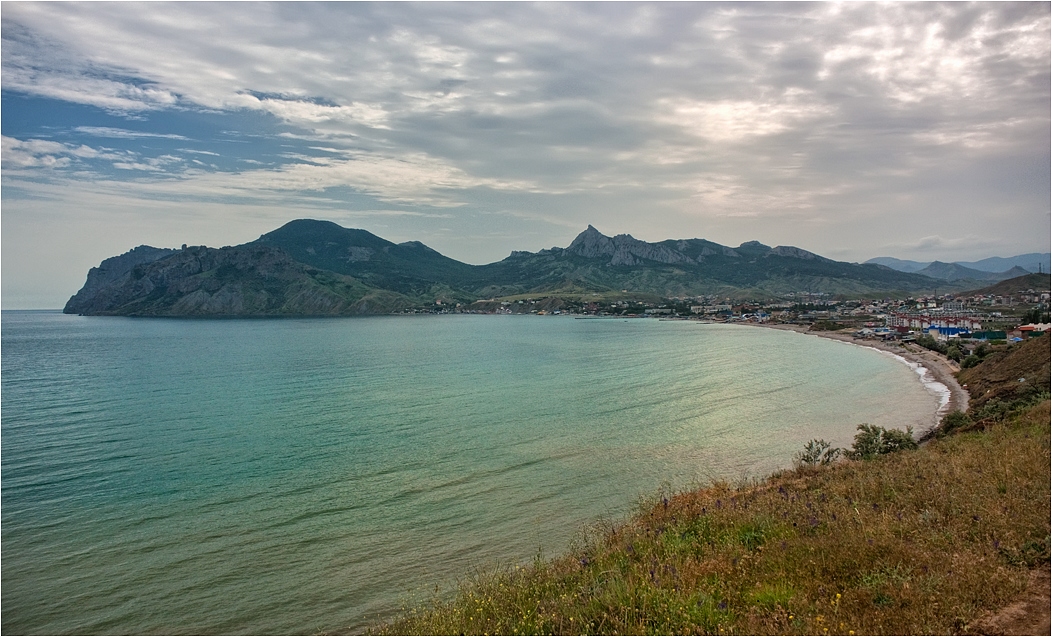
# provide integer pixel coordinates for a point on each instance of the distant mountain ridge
(1003, 266)
(1039, 282)
(956, 271)
(309, 267)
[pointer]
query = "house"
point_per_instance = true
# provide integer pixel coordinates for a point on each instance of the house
(1032, 329)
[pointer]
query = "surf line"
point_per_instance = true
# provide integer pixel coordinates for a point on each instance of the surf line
(927, 378)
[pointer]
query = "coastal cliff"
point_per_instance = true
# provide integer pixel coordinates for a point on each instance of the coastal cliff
(248, 280)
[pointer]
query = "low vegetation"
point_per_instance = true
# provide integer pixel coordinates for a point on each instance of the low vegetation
(895, 540)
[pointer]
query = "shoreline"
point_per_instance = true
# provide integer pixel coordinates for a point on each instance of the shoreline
(940, 369)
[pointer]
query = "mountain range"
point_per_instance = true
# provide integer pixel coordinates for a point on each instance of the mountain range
(991, 269)
(318, 268)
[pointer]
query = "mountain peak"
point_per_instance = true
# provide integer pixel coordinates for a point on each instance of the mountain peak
(796, 253)
(591, 243)
(753, 244)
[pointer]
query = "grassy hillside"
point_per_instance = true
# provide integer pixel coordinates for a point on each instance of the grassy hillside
(920, 541)
(1037, 282)
(1017, 373)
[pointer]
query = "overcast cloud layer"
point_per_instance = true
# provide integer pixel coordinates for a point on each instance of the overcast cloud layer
(918, 131)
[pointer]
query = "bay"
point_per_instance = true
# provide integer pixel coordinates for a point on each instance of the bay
(302, 476)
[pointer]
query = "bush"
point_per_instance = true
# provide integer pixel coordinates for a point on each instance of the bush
(954, 421)
(817, 452)
(826, 326)
(927, 342)
(872, 441)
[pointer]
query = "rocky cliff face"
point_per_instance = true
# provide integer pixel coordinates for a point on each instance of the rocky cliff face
(112, 270)
(249, 280)
(623, 249)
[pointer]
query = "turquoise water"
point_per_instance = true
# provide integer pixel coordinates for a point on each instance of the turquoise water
(304, 476)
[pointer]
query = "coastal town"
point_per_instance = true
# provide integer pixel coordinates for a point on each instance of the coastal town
(1016, 310)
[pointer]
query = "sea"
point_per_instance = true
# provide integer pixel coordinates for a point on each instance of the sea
(304, 476)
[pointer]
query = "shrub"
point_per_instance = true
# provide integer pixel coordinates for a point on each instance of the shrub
(826, 326)
(926, 341)
(953, 421)
(872, 441)
(817, 452)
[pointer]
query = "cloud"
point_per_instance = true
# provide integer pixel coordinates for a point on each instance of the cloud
(412, 179)
(38, 153)
(733, 120)
(33, 154)
(120, 133)
(306, 112)
(839, 125)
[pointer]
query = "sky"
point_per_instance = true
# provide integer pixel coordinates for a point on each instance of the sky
(854, 130)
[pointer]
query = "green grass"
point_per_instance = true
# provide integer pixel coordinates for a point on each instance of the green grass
(914, 542)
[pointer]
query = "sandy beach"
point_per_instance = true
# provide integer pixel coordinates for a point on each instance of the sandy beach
(939, 367)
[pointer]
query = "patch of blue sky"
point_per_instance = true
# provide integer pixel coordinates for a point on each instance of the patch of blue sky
(166, 140)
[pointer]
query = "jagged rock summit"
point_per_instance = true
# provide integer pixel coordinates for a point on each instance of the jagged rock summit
(623, 249)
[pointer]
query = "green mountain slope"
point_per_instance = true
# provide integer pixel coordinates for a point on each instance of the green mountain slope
(595, 262)
(248, 280)
(411, 268)
(956, 271)
(319, 267)
(1018, 285)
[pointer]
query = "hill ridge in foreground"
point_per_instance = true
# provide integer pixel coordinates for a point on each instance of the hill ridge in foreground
(932, 541)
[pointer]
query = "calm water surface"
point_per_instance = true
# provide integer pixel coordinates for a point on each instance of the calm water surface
(301, 476)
